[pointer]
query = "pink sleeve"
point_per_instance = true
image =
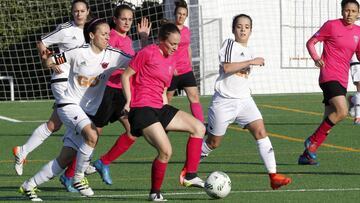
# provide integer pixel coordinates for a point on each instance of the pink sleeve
(139, 60)
(310, 45)
(325, 31)
(358, 52)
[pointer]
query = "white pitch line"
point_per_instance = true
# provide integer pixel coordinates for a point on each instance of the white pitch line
(9, 119)
(239, 191)
(193, 193)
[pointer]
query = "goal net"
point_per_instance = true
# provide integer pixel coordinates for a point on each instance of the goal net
(280, 31)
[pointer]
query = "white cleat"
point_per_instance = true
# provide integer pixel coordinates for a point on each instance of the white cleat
(19, 160)
(90, 170)
(31, 194)
(83, 187)
(195, 182)
(156, 197)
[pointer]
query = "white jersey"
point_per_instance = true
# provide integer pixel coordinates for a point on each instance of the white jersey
(233, 85)
(88, 75)
(355, 64)
(66, 36)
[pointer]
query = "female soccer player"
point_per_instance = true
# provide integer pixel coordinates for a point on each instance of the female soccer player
(113, 101)
(184, 76)
(341, 41)
(90, 67)
(232, 101)
(151, 117)
(354, 101)
(67, 36)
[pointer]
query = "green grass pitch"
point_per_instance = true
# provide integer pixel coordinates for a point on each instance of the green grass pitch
(289, 119)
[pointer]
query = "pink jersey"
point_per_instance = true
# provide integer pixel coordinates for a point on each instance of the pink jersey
(125, 45)
(153, 73)
(183, 64)
(340, 42)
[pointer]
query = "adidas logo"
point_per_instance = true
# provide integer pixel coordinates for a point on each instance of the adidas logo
(242, 54)
(271, 150)
(75, 118)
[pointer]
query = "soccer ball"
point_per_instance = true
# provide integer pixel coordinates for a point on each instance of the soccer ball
(217, 185)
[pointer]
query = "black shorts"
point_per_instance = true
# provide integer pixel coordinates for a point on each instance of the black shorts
(181, 81)
(332, 89)
(110, 109)
(142, 117)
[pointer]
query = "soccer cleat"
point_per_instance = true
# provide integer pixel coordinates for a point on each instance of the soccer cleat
(195, 182)
(67, 182)
(278, 180)
(104, 171)
(83, 187)
(90, 170)
(203, 156)
(157, 197)
(351, 107)
(31, 194)
(311, 148)
(305, 159)
(357, 121)
(182, 176)
(19, 160)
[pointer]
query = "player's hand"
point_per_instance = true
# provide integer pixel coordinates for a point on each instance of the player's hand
(258, 61)
(45, 54)
(144, 27)
(125, 111)
(319, 63)
(55, 68)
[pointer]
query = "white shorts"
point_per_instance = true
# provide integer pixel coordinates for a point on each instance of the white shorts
(224, 111)
(73, 117)
(72, 139)
(355, 72)
(58, 89)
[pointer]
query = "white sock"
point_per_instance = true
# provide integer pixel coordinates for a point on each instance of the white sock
(37, 138)
(267, 154)
(83, 158)
(48, 172)
(205, 150)
(356, 101)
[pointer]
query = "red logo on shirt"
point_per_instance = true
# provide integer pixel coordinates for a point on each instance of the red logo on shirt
(104, 65)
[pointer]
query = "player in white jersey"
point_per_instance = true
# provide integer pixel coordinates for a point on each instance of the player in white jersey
(232, 101)
(67, 36)
(90, 67)
(354, 101)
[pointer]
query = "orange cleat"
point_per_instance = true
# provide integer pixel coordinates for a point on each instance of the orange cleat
(19, 160)
(278, 180)
(182, 176)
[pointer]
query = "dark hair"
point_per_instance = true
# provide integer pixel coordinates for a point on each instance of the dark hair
(91, 26)
(180, 4)
(240, 16)
(120, 8)
(345, 2)
(166, 29)
(79, 1)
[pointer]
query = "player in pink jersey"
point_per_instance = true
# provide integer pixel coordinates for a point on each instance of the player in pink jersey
(184, 76)
(111, 108)
(150, 115)
(340, 39)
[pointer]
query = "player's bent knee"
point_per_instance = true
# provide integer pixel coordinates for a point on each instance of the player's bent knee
(165, 155)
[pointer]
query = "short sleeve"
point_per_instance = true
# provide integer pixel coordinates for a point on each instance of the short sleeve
(54, 37)
(140, 59)
(226, 51)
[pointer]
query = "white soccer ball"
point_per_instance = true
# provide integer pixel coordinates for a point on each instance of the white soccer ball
(218, 185)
